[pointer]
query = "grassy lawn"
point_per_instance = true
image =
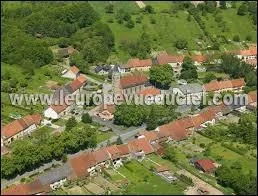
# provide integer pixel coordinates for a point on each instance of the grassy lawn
(233, 22)
(227, 156)
(145, 182)
(163, 34)
(102, 136)
(202, 75)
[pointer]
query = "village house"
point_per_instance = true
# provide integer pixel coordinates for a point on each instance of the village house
(106, 111)
(252, 62)
(250, 53)
(252, 100)
(55, 178)
(102, 159)
(124, 152)
(133, 83)
(137, 64)
(193, 90)
(103, 69)
(82, 166)
(73, 73)
(19, 128)
(206, 165)
(150, 94)
(58, 107)
(235, 85)
(115, 156)
(175, 61)
(139, 148)
(199, 59)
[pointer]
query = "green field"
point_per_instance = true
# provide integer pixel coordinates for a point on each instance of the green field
(163, 34)
(145, 182)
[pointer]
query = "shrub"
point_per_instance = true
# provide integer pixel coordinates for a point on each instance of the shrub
(236, 38)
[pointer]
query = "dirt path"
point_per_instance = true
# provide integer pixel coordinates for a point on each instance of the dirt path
(198, 183)
(140, 4)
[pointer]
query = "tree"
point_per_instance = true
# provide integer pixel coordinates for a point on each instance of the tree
(161, 76)
(130, 24)
(242, 10)
(119, 140)
(189, 70)
(152, 121)
(71, 123)
(236, 38)
(170, 153)
(149, 9)
(248, 38)
(86, 118)
(109, 8)
(223, 4)
(209, 77)
(129, 115)
(181, 44)
(189, 18)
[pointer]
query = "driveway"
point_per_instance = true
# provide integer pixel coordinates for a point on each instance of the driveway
(198, 183)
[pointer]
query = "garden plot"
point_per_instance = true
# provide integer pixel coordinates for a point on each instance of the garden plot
(102, 182)
(76, 190)
(95, 189)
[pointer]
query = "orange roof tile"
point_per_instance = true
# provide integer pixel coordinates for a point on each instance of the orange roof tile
(101, 155)
(139, 63)
(186, 122)
(141, 144)
(205, 164)
(113, 151)
(151, 135)
(74, 69)
(212, 86)
(238, 82)
(59, 108)
(19, 189)
(81, 163)
(252, 62)
(164, 58)
(133, 80)
(78, 83)
(197, 121)
(123, 149)
(199, 58)
(225, 84)
(17, 126)
(173, 130)
(252, 97)
(149, 91)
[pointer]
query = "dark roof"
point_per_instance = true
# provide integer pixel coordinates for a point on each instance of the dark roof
(55, 175)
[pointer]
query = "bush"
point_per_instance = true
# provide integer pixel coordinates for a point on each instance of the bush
(86, 118)
(248, 38)
(130, 24)
(236, 38)
(181, 44)
(153, 21)
(202, 145)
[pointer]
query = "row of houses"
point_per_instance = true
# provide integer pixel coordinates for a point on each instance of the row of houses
(248, 55)
(89, 163)
(19, 128)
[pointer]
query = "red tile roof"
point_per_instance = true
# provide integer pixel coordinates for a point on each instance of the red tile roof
(59, 108)
(199, 58)
(150, 135)
(78, 83)
(123, 149)
(173, 130)
(205, 164)
(149, 91)
(212, 86)
(19, 125)
(141, 144)
(139, 63)
(74, 69)
(81, 163)
(113, 151)
(238, 82)
(19, 189)
(197, 121)
(101, 155)
(133, 80)
(252, 97)
(252, 51)
(186, 122)
(164, 58)
(225, 84)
